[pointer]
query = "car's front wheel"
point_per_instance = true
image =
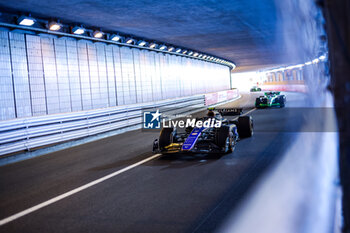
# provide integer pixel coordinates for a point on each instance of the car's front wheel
(230, 144)
(165, 137)
(227, 147)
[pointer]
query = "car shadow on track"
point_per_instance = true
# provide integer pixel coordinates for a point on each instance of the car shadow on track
(190, 157)
(179, 161)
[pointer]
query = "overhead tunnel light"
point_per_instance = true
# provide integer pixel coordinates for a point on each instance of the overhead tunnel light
(153, 45)
(316, 61)
(130, 41)
(25, 21)
(54, 26)
(296, 66)
(98, 34)
(322, 57)
(116, 38)
(142, 43)
(162, 47)
(78, 30)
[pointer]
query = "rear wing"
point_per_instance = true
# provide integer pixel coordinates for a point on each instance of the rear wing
(272, 93)
(230, 111)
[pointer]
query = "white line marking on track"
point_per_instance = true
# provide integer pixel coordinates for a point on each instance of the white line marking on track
(249, 112)
(74, 191)
(245, 113)
(81, 188)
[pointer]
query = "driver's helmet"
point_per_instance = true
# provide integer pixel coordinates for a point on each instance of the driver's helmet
(210, 113)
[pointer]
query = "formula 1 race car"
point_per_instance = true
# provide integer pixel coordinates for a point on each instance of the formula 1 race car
(255, 89)
(219, 135)
(270, 99)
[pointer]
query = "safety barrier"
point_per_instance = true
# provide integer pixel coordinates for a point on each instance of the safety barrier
(29, 133)
(221, 96)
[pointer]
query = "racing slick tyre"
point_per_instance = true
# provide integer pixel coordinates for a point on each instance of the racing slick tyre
(257, 102)
(282, 100)
(224, 139)
(165, 137)
(245, 126)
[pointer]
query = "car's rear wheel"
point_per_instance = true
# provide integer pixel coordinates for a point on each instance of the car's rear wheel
(282, 101)
(165, 137)
(245, 126)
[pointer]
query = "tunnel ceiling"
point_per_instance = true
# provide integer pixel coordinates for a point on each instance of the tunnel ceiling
(247, 32)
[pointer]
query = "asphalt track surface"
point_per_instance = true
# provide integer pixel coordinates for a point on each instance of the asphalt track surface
(177, 193)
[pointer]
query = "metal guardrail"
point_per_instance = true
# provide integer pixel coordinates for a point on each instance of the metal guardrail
(28, 133)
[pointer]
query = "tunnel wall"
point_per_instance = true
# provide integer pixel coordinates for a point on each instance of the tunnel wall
(44, 74)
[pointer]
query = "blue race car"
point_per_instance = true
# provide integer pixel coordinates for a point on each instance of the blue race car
(206, 139)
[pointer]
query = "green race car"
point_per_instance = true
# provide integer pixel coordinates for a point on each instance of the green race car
(255, 89)
(270, 99)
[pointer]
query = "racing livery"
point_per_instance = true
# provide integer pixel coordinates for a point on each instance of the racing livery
(270, 99)
(206, 139)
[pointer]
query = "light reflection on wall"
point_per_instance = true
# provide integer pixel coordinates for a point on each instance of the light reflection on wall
(44, 74)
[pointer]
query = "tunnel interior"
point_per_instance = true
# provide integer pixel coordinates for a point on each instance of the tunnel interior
(79, 86)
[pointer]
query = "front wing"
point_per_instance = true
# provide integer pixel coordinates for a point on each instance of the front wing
(200, 147)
